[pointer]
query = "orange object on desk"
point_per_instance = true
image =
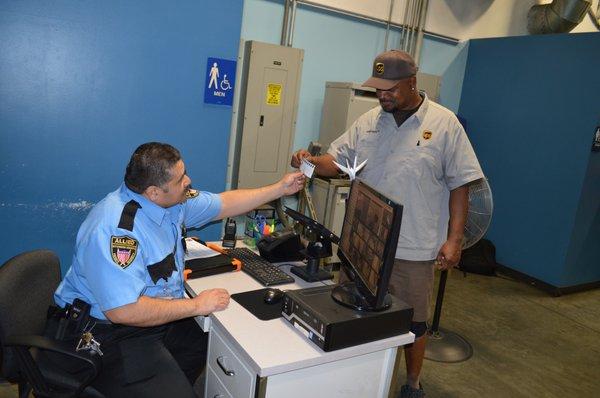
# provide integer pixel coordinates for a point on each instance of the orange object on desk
(217, 248)
(235, 264)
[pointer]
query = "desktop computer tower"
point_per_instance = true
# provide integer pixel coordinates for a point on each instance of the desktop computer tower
(332, 326)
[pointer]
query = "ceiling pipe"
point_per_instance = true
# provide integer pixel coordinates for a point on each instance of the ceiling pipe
(417, 27)
(595, 16)
(387, 29)
(292, 24)
(285, 24)
(363, 17)
(404, 26)
(560, 16)
(419, 45)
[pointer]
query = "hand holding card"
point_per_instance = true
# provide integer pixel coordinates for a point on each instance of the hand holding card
(307, 168)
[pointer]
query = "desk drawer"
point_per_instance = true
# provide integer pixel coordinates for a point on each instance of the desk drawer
(214, 387)
(229, 368)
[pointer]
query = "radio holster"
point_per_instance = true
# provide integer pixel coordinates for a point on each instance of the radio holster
(71, 320)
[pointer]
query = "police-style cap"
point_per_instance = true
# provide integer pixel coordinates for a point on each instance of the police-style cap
(389, 68)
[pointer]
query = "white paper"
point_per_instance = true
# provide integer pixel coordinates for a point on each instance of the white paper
(351, 170)
(307, 168)
(196, 249)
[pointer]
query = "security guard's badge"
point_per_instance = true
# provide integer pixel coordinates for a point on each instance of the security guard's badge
(123, 250)
(379, 68)
(191, 193)
(427, 134)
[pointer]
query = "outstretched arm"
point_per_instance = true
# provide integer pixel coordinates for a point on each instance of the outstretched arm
(241, 201)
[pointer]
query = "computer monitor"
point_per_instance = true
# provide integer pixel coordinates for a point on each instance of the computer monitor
(367, 248)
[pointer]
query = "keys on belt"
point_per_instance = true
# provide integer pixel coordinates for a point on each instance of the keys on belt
(87, 342)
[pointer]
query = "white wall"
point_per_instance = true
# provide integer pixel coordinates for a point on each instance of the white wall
(461, 19)
(486, 18)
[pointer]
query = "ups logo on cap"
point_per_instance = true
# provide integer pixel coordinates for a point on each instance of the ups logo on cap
(379, 68)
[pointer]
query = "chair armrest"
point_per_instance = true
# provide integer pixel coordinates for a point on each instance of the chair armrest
(58, 346)
(23, 343)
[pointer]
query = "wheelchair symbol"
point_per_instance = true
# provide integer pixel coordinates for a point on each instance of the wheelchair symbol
(225, 83)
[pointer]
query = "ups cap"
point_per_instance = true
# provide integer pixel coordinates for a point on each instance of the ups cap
(389, 68)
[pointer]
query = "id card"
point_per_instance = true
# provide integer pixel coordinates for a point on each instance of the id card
(307, 168)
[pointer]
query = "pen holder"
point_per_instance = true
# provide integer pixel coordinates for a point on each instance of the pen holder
(256, 229)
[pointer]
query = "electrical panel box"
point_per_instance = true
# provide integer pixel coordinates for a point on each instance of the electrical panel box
(344, 102)
(267, 113)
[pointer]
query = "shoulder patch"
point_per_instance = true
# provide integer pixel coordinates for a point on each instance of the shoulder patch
(191, 193)
(123, 250)
(128, 215)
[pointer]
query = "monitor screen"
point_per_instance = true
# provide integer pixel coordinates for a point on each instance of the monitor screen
(369, 238)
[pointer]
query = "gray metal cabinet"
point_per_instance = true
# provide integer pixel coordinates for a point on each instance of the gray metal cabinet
(268, 109)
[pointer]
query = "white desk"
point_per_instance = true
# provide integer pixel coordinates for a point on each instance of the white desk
(271, 359)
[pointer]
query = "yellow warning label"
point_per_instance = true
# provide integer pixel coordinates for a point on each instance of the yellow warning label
(274, 94)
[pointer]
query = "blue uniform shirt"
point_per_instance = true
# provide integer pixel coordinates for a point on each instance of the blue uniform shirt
(128, 247)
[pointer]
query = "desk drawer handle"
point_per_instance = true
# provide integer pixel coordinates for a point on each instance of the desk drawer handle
(223, 368)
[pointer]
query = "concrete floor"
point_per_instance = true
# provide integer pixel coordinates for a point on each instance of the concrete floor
(525, 343)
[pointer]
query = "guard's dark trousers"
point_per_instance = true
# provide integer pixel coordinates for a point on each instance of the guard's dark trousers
(144, 362)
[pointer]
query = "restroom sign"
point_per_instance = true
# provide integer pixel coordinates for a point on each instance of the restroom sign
(219, 81)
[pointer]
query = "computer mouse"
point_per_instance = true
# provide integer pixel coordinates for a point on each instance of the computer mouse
(273, 296)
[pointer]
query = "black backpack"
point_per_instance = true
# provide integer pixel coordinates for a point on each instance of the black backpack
(479, 258)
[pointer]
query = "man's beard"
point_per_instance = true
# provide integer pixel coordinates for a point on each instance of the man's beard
(389, 107)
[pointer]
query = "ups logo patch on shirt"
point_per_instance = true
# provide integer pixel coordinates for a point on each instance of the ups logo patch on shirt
(123, 250)
(191, 193)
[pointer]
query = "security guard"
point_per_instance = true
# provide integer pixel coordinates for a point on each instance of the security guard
(126, 280)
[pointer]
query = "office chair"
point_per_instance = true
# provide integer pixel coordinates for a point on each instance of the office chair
(27, 285)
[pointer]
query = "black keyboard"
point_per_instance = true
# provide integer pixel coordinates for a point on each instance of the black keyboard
(259, 268)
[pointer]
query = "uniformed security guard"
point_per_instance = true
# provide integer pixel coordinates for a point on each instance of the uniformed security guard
(418, 153)
(127, 271)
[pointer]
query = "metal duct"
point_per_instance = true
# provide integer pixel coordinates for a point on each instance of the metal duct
(415, 13)
(560, 16)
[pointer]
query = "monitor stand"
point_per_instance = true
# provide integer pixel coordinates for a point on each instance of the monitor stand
(315, 250)
(311, 272)
(348, 295)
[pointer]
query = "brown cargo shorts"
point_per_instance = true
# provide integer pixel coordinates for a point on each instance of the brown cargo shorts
(412, 282)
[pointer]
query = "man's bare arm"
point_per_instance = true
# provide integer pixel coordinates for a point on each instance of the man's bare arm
(150, 311)
(241, 201)
(324, 163)
(449, 254)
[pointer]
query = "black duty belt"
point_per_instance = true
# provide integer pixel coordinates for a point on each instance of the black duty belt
(57, 312)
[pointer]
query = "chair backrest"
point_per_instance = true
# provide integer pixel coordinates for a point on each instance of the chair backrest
(27, 285)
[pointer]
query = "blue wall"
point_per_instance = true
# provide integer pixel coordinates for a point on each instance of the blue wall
(582, 262)
(339, 48)
(82, 84)
(532, 105)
